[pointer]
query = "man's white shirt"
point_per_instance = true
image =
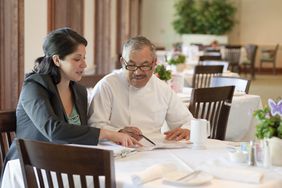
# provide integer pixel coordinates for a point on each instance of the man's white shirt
(116, 104)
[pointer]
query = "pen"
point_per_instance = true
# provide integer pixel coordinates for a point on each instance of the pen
(148, 139)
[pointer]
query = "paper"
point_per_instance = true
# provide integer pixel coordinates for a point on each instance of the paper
(118, 150)
(167, 145)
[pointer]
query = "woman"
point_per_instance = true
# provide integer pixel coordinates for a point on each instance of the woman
(52, 106)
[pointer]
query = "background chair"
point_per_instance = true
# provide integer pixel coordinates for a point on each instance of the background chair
(210, 58)
(214, 105)
(239, 83)
(203, 73)
(249, 64)
(8, 124)
(90, 81)
(269, 56)
(59, 159)
(232, 55)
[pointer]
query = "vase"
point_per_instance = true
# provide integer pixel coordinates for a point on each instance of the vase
(275, 149)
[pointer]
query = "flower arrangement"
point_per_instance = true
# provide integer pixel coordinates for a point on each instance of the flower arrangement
(162, 72)
(270, 119)
(177, 59)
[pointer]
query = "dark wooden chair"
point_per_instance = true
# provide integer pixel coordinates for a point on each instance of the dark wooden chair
(50, 161)
(214, 105)
(269, 56)
(90, 81)
(232, 55)
(210, 58)
(204, 73)
(240, 84)
(8, 124)
(249, 65)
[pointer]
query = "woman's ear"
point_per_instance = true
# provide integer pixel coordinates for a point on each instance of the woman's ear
(56, 60)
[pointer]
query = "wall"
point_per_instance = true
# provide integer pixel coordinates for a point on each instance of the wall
(156, 22)
(258, 22)
(35, 29)
(35, 24)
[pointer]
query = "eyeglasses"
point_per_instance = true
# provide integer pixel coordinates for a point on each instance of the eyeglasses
(135, 67)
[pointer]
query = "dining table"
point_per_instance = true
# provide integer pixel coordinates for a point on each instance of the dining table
(159, 167)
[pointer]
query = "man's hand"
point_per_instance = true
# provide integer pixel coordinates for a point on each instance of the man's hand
(134, 132)
(177, 134)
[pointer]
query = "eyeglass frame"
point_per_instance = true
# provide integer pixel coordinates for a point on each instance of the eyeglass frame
(137, 67)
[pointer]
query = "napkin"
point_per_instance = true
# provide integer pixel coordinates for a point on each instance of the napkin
(233, 173)
(152, 173)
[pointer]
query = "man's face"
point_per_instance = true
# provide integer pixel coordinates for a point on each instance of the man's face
(139, 67)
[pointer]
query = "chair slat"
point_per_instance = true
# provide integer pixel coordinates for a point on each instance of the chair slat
(203, 74)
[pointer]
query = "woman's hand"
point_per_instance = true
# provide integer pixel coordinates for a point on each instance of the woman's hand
(119, 138)
(177, 134)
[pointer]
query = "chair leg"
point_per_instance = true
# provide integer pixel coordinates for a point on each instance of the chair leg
(274, 69)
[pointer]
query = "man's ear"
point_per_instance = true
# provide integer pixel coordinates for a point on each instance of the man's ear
(56, 60)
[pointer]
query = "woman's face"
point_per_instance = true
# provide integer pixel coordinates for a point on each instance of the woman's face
(73, 65)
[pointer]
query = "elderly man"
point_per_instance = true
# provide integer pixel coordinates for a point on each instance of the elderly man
(133, 100)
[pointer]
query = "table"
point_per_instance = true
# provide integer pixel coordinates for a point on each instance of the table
(241, 122)
(187, 157)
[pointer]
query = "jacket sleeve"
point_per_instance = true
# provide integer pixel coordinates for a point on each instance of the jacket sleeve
(36, 102)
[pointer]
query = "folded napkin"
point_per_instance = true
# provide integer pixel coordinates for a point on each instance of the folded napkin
(152, 173)
(240, 174)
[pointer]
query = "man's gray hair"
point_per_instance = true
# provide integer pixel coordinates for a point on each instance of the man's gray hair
(137, 43)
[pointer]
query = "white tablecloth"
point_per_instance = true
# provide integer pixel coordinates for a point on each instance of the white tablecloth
(241, 122)
(182, 158)
(188, 76)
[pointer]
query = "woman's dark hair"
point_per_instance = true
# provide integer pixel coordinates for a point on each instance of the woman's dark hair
(61, 42)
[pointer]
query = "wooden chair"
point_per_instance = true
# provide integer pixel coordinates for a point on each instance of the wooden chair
(210, 58)
(8, 124)
(204, 73)
(232, 55)
(269, 56)
(51, 161)
(249, 65)
(240, 84)
(90, 81)
(214, 105)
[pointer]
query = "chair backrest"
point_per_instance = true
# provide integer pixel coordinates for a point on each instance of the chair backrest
(251, 50)
(50, 161)
(232, 53)
(203, 74)
(240, 84)
(214, 105)
(90, 81)
(270, 54)
(8, 122)
(210, 58)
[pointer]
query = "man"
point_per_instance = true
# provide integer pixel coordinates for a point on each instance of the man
(133, 100)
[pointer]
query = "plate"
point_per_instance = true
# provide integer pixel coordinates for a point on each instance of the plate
(197, 179)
